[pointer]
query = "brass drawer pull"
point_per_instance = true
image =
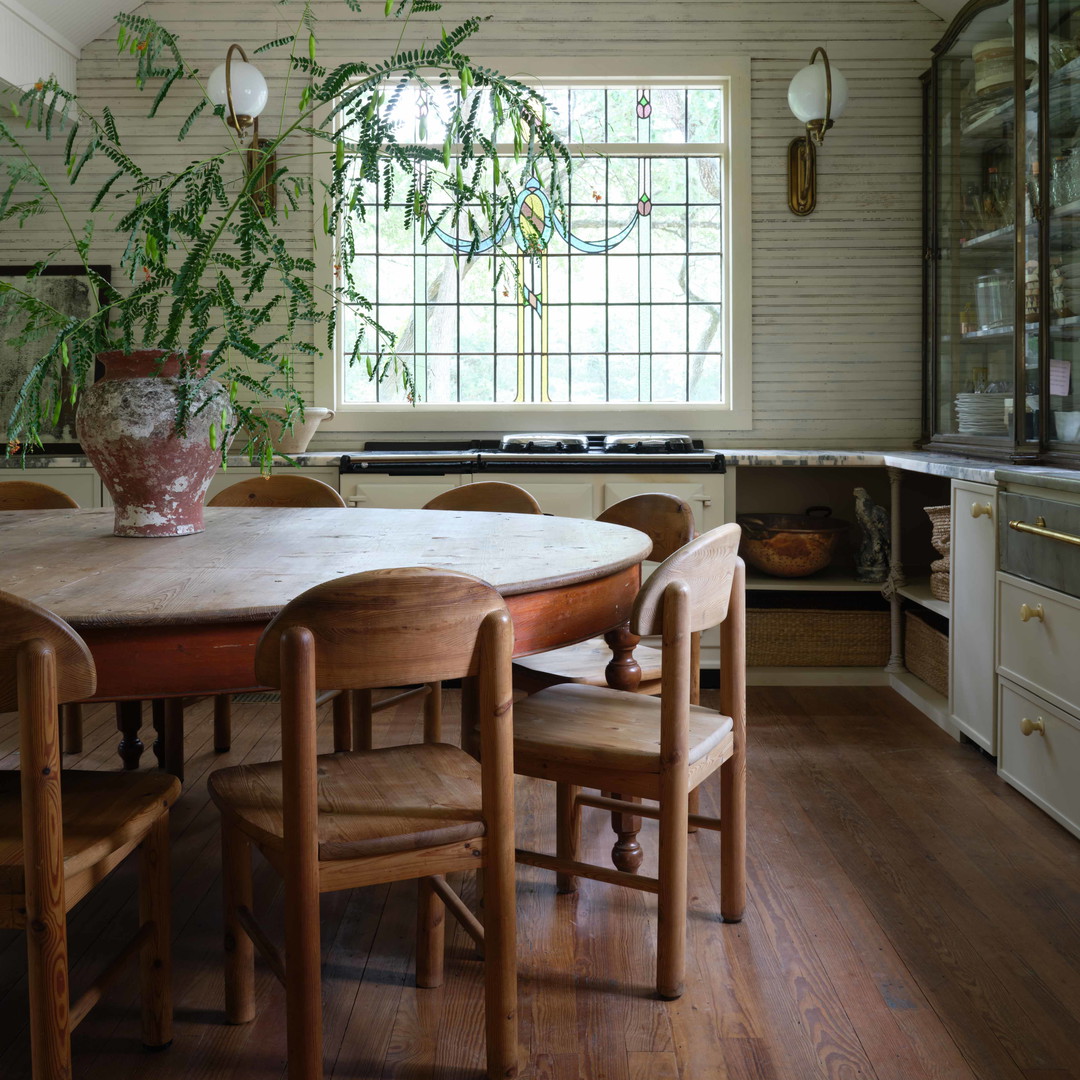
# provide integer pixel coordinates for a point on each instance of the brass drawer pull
(978, 509)
(1028, 727)
(1035, 612)
(1040, 529)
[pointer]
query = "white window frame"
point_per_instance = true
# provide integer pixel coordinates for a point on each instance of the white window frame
(735, 414)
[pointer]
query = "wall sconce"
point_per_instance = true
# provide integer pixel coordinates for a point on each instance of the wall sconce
(817, 96)
(241, 89)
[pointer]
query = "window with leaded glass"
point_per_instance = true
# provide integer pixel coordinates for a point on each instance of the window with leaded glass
(616, 296)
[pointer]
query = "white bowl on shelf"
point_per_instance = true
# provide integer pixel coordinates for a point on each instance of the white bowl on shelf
(295, 441)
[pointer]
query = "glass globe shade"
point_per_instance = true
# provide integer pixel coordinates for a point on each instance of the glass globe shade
(807, 93)
(249, 93)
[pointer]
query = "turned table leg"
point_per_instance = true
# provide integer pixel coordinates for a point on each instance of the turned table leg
(623, 672)
(128, 723)
(169, 725)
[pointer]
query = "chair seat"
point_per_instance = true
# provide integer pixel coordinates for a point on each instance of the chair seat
(372, 802)
(103, 812)
(578, 725)
(582, 663)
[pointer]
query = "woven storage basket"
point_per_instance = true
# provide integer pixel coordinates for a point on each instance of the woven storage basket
(926, 653)
(939, 585)
(786, 637)
(941, 532)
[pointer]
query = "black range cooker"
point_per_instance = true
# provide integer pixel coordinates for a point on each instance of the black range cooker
(538, 452)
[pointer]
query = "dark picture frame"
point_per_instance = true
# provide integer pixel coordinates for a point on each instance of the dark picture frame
(67, 288)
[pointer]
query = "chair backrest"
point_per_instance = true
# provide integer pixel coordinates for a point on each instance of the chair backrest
(666, 519)
(30, 495)
(27, 629)
(490, 495)
(705, 569)
(280, 489)
(388, 628)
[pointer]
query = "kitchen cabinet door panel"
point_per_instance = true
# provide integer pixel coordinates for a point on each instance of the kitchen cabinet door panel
(973, 566)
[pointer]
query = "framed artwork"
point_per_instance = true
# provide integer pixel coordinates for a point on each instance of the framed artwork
(68, 289)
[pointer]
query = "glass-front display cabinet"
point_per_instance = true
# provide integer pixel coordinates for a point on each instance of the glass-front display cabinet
(1003, 233)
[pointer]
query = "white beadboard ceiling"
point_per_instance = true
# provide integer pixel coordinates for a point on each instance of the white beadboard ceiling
(80, 21)
(944, 8)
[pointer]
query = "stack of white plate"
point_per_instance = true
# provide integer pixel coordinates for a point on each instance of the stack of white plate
(980, 414)
(1070, 273)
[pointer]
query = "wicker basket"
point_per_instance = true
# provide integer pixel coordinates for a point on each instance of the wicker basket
(926, 652)
(941, 533)
(786, 637)
(939, 584)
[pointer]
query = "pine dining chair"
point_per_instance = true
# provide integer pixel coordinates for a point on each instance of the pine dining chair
(276, 490)
(62, 832)
(343, 820)
(31, 495)
(583, 736)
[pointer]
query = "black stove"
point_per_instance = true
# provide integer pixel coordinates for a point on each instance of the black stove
(537, 452)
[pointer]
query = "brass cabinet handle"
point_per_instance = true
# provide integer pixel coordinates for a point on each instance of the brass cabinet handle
(1040, 529)
(1035, 612)
(978, 509)
(1028, 727)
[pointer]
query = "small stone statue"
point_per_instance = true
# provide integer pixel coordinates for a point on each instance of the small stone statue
(872, 561)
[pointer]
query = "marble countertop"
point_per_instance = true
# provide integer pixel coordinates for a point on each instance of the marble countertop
(921, 461)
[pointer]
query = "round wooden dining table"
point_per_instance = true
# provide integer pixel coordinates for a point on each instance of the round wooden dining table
(181, 616)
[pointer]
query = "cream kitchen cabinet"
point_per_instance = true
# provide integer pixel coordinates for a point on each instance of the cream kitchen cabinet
(395, 492)
(1039, 696)
(972, 700)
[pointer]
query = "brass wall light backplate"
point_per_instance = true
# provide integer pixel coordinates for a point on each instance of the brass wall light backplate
(802, 176)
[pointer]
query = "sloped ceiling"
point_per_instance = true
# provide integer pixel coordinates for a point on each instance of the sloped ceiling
(80, 21)
(945, 8)
(36, 31)
(39, 37)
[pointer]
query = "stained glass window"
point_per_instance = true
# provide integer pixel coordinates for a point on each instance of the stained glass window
(615, 296)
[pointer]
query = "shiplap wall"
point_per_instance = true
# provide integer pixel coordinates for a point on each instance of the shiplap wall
(836, 296)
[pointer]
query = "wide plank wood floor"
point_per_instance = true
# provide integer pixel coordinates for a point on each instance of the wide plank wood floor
(910, 916)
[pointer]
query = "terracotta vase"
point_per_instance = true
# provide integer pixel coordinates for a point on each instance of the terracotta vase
(127, 426)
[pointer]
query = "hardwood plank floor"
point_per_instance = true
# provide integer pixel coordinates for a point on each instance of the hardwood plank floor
(910, 917)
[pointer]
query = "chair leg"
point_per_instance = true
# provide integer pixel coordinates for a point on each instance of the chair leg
(239, 950)
(47, 978)
(433, 713)
(567, 832)
(694, 807)
(360, 703)
(73, 728)
(343, 722)
(733, 839)
(155, 959)
(500, 965)
(672, 899)
(430, 935)
(222, 723)
(303, 988)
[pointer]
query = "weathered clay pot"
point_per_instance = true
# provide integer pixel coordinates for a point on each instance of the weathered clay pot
(127, 426)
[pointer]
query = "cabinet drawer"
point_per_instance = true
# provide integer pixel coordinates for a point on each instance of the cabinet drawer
(1039, 653)
(1044, 764)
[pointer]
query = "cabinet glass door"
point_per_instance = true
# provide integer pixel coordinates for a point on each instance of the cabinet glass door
(976, 287)
(1063, 124)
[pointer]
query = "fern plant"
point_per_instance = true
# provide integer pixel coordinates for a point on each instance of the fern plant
(204, 267)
